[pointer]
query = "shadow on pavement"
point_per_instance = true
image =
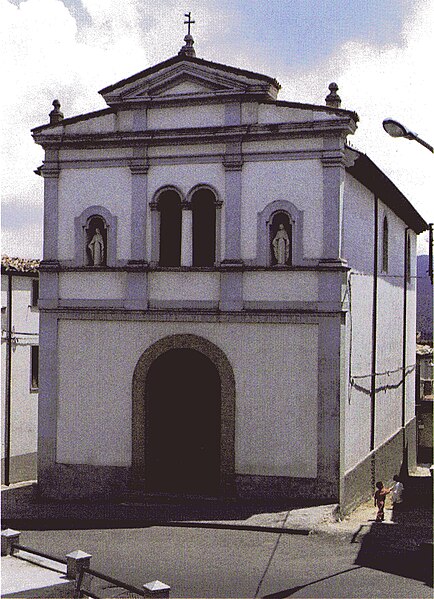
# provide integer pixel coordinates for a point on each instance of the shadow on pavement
(289, 592)
(404, 548)
(24, 510)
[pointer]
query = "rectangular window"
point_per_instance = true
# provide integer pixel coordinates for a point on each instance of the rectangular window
(408, 257)
(34, 368)
(35, 293)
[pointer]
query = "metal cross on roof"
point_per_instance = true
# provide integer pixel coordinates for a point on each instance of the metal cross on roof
(189, 22)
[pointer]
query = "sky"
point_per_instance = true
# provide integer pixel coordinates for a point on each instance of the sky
(379, 52)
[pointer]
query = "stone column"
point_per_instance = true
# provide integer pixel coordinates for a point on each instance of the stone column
(155, 233)
(186, 235)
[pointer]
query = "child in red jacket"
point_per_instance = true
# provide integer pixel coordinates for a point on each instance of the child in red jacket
(380, 500)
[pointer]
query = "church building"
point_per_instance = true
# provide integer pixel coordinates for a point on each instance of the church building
(227, 301)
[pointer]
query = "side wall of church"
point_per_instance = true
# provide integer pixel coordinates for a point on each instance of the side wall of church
(393, 377)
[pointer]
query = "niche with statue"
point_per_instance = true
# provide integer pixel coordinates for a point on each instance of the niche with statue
(281, 240)
(96, 242)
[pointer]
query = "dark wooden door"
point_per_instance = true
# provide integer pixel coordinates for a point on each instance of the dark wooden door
(183, 396)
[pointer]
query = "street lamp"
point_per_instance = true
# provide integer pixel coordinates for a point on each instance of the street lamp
(396, 129)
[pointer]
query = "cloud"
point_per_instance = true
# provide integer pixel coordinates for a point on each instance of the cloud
(52, 52)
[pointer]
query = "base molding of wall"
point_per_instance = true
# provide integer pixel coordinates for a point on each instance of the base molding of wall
(21, 467)
(396, 456)
(82, 481)
(285, 487)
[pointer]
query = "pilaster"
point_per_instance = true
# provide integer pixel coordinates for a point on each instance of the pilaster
(333, 161)
(50, 172)
(231, 281)
(48, 392)
(139, 183)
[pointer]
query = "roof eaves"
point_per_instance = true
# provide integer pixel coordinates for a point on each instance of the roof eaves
(75, 119)
(320, 107)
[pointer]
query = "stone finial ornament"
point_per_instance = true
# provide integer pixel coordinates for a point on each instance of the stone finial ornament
(56, 115)
(333, 99)
(188, 49)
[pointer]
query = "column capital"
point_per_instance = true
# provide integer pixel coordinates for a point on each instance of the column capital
(233, 163)
(139, 167)
(333, 159)
(50, 170)
(185, 205)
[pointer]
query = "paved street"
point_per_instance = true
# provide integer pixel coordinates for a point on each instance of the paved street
(221, 549)
(238, 563)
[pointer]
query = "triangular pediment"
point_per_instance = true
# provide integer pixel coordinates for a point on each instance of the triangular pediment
(184, 79)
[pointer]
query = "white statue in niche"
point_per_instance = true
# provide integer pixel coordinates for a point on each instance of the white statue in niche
(96, 247)
(281, 245)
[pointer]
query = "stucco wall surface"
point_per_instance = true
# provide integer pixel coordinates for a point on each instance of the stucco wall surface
(280, 286)
(79, 189)
(184, 286)
(88, 285)
(186, 116)
(299, 182)
(358, 226)
(276, 410)
(359, 341)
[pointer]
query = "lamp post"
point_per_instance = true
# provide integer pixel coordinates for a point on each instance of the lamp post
(396, 129)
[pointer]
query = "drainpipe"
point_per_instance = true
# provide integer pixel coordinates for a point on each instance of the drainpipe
(8, 381)
(374, 327)
(404, 328)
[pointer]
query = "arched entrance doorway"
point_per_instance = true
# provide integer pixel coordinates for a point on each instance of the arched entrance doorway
(182, 402)
(183, 428)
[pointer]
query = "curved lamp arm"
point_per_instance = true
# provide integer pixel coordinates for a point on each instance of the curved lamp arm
(396, 129)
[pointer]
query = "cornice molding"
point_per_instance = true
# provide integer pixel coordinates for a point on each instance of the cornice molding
(182, 136)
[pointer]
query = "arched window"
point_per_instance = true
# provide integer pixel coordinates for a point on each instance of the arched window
(385, 252)
(169, 205)
(96, 241)
(280, 239)
(204, 227)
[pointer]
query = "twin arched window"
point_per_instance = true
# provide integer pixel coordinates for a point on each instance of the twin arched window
(188, 227)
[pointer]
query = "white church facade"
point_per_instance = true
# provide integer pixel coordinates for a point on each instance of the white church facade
(227, 302)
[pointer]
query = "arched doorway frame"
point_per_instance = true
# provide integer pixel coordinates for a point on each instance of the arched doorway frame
(227, 414)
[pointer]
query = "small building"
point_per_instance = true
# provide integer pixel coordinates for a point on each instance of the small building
(20, 368)
(424, 403)
(227, 294)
